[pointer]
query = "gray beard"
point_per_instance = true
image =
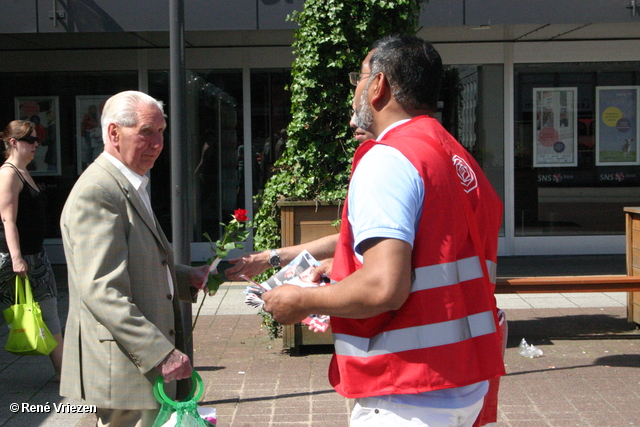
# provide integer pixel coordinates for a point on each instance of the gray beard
(364, 118)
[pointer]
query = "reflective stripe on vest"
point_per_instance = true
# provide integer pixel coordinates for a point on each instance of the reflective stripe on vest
(451, 273)
(432, 335)
(417, 337)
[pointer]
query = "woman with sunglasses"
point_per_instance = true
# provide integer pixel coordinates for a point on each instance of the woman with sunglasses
(22, 229)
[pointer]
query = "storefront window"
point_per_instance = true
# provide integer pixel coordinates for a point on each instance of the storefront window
(212, 146)
(270, 116)
(58, 102)
(471, 108)
(576, 154)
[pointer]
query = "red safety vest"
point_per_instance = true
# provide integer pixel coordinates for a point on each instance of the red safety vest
(445, 334)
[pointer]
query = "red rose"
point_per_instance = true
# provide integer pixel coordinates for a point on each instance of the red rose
(240, 215)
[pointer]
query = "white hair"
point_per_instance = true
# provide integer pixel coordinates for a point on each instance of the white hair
(122, 109)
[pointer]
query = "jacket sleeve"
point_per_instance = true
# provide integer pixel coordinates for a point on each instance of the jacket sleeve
(186, 292)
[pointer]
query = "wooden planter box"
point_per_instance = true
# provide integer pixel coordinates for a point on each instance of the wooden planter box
(303, 222)
(632, 219)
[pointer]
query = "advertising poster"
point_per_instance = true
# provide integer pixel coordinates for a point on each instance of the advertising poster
(617, 125)
(88, 128)
(43, 111)
(555, 127)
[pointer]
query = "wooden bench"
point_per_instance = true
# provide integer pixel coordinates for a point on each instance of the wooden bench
(295, 336)
(547, 284)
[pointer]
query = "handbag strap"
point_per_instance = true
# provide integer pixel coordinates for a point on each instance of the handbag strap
(161, 396)
(23, 290)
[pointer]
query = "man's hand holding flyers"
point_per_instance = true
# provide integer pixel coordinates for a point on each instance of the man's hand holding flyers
(303, 271)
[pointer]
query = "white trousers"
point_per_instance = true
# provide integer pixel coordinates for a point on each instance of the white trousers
(374, 412)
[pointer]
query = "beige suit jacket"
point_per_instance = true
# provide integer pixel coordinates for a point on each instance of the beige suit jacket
(122, 321)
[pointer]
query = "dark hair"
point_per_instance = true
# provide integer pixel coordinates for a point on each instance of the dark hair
(413, 68)
(17, 129)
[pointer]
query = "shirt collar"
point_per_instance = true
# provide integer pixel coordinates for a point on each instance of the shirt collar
(139, 182)
(396, 124)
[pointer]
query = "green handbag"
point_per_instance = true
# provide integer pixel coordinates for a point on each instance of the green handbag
(28, 334)
(185, 413)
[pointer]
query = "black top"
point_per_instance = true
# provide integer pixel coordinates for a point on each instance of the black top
(31, 221)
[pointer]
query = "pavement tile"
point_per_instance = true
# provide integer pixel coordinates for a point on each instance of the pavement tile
(278, 423)
(520, 412)
(605, 418)
(525, 423)
(588, 375)
(29, 419)
(330, 419)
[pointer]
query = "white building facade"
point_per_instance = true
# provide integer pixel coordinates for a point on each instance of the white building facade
(545, 94)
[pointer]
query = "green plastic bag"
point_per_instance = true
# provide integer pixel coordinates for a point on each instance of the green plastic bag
(28, 334)
(184, 413)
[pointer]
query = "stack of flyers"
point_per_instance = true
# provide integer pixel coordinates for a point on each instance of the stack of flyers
(319, 323)
(298, 273)
(254, 292)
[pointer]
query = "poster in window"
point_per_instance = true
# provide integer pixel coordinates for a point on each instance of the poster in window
(617, 125)
(88, 129)
(43, 111)
(555, 127)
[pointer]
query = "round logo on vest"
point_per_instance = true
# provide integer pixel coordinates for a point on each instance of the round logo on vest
(465, 173)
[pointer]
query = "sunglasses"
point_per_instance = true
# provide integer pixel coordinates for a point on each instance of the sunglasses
(29, 139)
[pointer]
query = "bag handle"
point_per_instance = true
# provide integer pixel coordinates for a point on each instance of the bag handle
(161, 396)
(23, 290)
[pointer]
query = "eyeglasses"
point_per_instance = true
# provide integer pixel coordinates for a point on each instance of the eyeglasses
(354, 77)
(29, 139)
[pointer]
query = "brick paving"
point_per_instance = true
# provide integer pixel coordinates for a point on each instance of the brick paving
(589, 375)
(252, 382)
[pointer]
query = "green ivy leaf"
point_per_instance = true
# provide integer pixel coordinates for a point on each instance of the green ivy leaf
(333, 38)
(214, 281)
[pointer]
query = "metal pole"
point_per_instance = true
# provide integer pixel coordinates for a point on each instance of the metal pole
(181, 224)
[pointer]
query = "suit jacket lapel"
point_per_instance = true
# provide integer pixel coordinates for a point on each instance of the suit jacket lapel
(131, 194)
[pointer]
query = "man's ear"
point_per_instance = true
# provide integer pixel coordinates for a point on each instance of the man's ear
(114, 134)
(380, 89)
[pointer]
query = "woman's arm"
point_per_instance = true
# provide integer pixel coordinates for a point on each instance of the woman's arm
(10, 187)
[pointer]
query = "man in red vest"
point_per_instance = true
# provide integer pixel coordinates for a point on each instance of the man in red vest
(412, 307)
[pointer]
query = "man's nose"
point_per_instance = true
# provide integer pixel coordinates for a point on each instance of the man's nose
(352, 122)
(158, 142)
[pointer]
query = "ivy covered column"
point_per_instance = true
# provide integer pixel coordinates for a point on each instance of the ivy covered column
(333, 38)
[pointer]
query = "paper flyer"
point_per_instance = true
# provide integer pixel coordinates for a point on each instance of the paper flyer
(298, 273)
